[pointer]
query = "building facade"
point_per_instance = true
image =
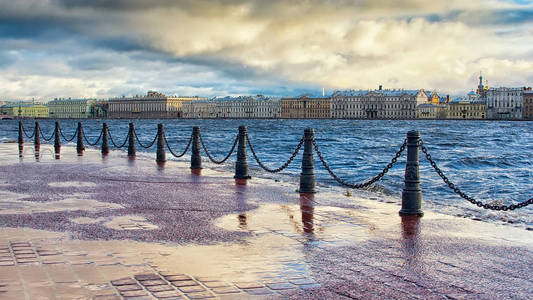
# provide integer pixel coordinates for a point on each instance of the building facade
(62, 108)
(528, 105)
(505, 103)
(305, 107)
(431, 111)
(376, 104)
(24, 109)
(242, 107)
(462, 108)
(154, 105)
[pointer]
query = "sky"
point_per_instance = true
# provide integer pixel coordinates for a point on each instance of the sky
(98, 48)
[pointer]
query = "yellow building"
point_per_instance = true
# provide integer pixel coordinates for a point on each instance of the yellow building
(431, 111)
(467, 109)
(305, 107)
(24, 110)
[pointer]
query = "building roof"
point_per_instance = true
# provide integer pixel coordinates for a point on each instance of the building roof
(387, 92)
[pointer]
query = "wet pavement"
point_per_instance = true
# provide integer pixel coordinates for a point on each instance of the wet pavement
(113, 228)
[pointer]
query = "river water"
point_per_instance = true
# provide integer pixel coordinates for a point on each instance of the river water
(491, 161)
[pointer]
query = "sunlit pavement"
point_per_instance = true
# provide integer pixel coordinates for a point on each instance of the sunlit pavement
(112, 228)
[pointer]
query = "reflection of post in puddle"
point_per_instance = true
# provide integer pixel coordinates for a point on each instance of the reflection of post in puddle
(307, 209)
(240, 193)
(410, 239)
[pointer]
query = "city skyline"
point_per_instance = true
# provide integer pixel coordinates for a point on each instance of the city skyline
(103, 49)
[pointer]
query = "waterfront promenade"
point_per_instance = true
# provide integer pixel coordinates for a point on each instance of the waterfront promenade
(113, 228)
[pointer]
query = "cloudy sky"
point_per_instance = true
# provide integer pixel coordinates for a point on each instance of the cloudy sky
(99, 48)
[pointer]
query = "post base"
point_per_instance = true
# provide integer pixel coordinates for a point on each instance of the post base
(196, 171)
(161, 163)
(241, 181)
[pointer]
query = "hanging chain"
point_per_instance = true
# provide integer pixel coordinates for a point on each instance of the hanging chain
(172, 152)
(218, 162)
(456, 190)
(113, 142)
(44, 137)
(87, 140)
(26, 134)
(286, 164)
(364, 184)
(68, 140)
(139, 141)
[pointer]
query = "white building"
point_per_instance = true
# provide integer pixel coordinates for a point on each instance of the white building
(242, 107)
(376, 104)
(505, 103)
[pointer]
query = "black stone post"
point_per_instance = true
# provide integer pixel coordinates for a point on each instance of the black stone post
(57, 141)
(131, 141)
(80, 147)
(161, 156)
(307, 176)
(105, 141)
(412, 194)
(241, 166)
(21, 140)
(37, 139)
(196, 159)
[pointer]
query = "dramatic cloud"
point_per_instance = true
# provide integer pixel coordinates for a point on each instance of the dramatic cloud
(100, 48)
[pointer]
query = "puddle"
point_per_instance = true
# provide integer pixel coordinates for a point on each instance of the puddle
(15, 206)
(72, 184)
(130, 222)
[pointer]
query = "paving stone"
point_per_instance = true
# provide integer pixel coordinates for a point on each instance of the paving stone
(249, 285)
(129, 287)
(153, 282)
(303, 281)
(107, 297)
(142, 277)
(192, 289)
(281, 286)
(226, 290)
(184, 283)
(258, 291)
(6, 263)
(135, 293)
(200, 295)
(160, 288)
(207, 278)
(179, 277)
(214, 284)
(173, 294)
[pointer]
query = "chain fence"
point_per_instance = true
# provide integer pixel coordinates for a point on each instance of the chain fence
(26, 134)
(456, 190)
(113, 141)
(44, 137)
(142, 145)
(364, 184)
(87, 140)
(172, 152)
(285, 165)
(65, 138)
(211, 158)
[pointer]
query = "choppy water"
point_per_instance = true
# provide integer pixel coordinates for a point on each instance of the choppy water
(488, 160)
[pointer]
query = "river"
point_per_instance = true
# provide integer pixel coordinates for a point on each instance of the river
(491, 161)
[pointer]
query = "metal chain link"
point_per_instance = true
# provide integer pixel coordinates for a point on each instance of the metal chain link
(456, 190)
(68, 140)
(44, 137)
(87, 140)
(218, 162)
(139, 141)
(364, 184)
(113, 142)
(26, 134)
(286, 164)
(172, 152)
